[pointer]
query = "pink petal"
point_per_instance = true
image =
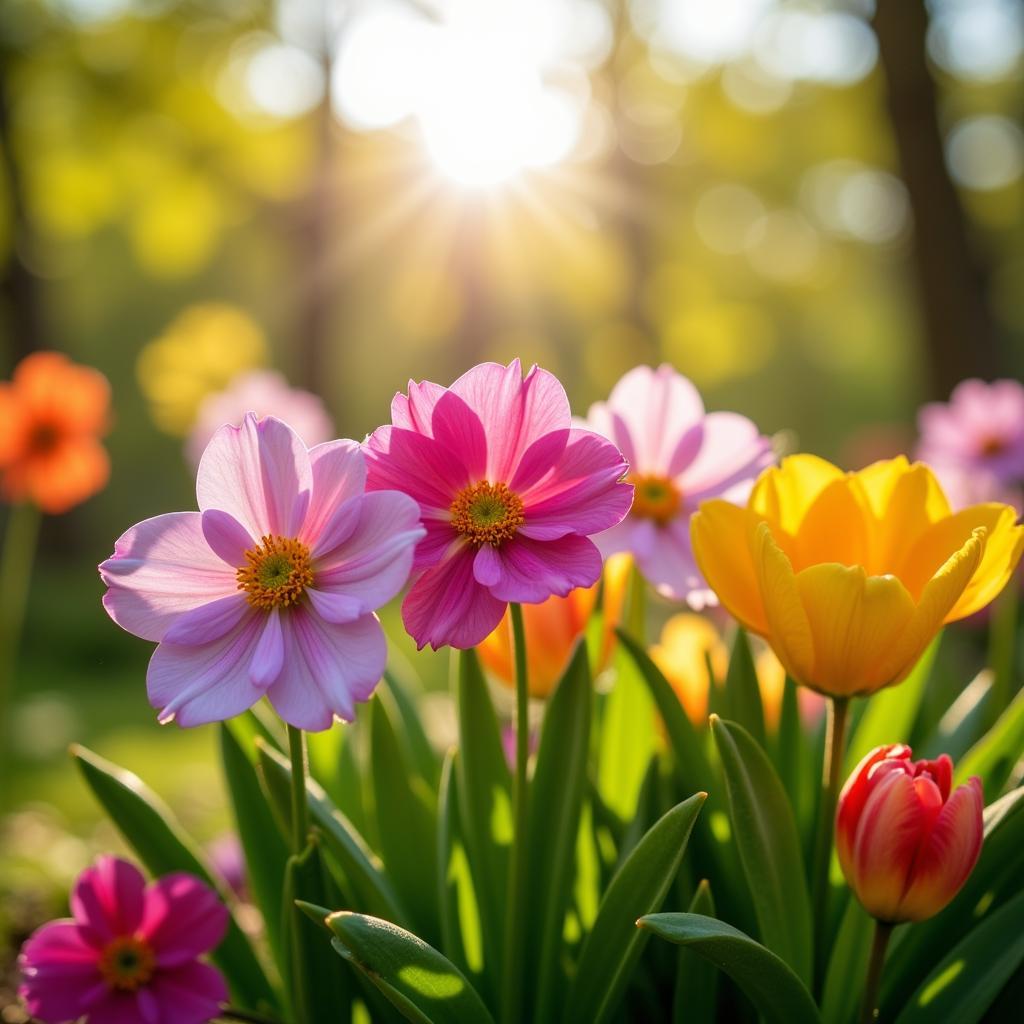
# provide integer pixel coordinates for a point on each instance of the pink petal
(438, 544)
(120, 1008)
(338, 527)
(455, 425)
(400, 460)
(60, 972)
(184, 919)
(686, 450)
(211, 683)
(416, 411)
(487, 569)
(336, 608)
(733, 452)
(668, 563)
(532, 571)
(161, 568)
(207, 622)
(339, 475)
(539, 459)
(608, 423)
(328, 667)
(259, 472)
(268, 657)
(190, 994)
(447, 607)
(227, 537)
(621, 537)
(107, 900)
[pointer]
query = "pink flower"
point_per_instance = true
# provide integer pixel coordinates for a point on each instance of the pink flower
(130, 953)
(508, 490)
(267, 394)
(906, 840)
(975, 442)
(678, 457)
(268, 590)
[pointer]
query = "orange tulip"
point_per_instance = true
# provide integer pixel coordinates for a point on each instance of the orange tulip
(52, 414)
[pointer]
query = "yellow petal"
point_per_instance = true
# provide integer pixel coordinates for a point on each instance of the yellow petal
(855, 620)
(784, 493)
(789, 631)
(720, 534)
(688, 643)
(834, 528)
(1004, 542)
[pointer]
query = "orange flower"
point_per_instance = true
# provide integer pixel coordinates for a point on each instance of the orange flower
(52, 414)
(552, 628)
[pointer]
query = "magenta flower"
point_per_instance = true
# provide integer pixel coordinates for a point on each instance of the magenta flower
(975, 442)
(268, 590)
(679, 456)
(509, 492)
(130, 954)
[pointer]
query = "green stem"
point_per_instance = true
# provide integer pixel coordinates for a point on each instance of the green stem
(512, 983)
(869, 1008)
(300, 811)
(636, 622)
(832, 768)
(19, 548)
(1002, 642)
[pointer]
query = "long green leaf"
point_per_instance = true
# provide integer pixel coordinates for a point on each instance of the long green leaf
(847, 966)
(769, 846)
(639, 887)
(415, 977)
(966, 981)
(422, 755)
(163, 846)
(556, 800)
(779, 995)
(993, 757)
(460, 920)
(696, 978)
(742, 691)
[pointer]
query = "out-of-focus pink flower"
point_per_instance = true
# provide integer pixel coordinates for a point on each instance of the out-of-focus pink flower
(508, 490)
(268, 590)
(905, 842)
(679, 456)
(130, 954)
(228, 857)
(975, 442)
(265, 393)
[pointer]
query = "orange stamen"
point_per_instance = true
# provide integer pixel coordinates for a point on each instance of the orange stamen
(127, 963)
(487, 513)
(654, 497)
(276, 574)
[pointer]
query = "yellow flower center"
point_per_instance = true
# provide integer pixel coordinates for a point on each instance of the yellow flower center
(127, 963)
(487, 513)
(993, 446)
(276, 573)
(654, 497)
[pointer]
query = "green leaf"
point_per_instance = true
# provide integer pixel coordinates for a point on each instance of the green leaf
(556, 800)
(890, 714)
(769, 846)
(485, 807)
(966, 981)
(367, 885)
(848, 964)
(779, 995)
(406, 824)
(742, 691)
(639, 887)
(696, 977)
(265, 850)
(162, 845)
(395, 694)
(992, 758)
(417, 979)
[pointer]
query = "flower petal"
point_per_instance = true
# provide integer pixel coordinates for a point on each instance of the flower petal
(207, 622)
(401, 460)
(833, 529)
(108, 899)
(268, 655)
(454, 424)
(784, 493)
(60, 972)
(228, 538)
(487, 566)
(732, 452)
(184, 919)
(416, 411)
(339, 474)
(669, 566)
(190, 994)
(336, 608)
(532, 571)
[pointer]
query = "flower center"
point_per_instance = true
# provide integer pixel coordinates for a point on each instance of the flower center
(276, 573)
(127, 963)
(654, 497)
(487, 513)
(44, 438)
(993, 446)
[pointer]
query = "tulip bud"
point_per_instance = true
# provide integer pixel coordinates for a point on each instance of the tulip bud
(906, 844)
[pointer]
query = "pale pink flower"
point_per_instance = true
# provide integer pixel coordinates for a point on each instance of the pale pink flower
(678, 456)
(268, 590)
(509, 492)
(130, 953)
(265, 393)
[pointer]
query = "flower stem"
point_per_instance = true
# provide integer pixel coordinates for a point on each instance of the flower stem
(869, 1008)
(512, 983)
(300, 812)
(832, 767)
(1001, 648)
(637, 611)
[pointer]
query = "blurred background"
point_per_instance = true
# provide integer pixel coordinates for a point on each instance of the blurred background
(813, 209)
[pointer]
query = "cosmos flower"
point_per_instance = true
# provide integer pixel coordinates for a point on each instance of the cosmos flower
(678, 457)
(509, 492)
(269, 589)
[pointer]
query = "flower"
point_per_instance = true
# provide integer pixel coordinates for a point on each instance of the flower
(52, 414)
(130, 954)
(850, 575)
(678, 456)
(905, 842)
(976, 440)
(267, 394)
(509, 492)
(552, 628)
(270, 588)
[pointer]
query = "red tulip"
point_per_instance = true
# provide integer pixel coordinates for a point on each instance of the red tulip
(905, 842)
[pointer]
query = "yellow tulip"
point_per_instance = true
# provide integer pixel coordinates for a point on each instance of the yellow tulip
(850, 575)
